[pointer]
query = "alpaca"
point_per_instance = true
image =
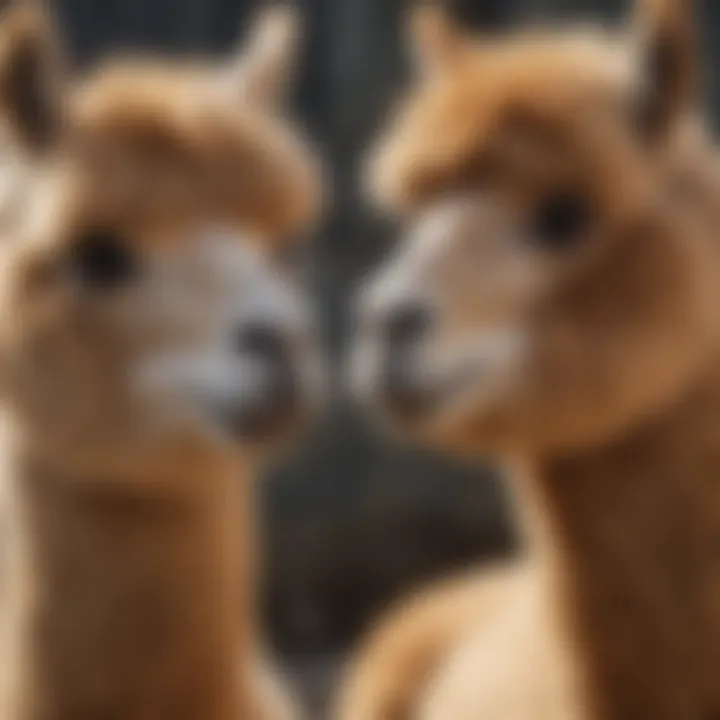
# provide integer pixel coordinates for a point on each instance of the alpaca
(554, 305)
(152, 359)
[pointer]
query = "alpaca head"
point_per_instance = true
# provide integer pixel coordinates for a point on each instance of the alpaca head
(142, 313)
(547, 292)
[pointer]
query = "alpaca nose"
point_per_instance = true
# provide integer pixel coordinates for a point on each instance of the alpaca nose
(277, 395)
(263, 342)
(404, 330)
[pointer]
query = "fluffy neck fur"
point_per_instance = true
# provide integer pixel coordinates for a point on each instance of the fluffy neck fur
(127, 603)
(630, 533)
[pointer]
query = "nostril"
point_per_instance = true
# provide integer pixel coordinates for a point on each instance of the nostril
(259, 340)
(274, 404)
(404, 329)
(406, 325)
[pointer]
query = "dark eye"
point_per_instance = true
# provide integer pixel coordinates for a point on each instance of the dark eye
(562, 220)
(101, 260)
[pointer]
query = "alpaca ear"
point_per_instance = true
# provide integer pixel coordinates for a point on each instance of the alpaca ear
(669, 85)
(263, 70)
(30, 75)
(435, 38)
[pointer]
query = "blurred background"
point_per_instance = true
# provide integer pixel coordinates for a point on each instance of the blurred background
(350, 522)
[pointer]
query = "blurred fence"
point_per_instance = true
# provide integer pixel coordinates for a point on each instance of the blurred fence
(351, 521)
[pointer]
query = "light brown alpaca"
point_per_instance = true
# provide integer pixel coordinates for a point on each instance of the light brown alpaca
(555, 305)
(150, 359)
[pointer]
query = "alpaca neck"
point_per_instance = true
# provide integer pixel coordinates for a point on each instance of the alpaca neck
(632, 533)
(128, 603)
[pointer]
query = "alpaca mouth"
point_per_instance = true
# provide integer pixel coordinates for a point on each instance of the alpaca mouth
(421, 388)
(415, 398)
(270, 414)
(240, 402)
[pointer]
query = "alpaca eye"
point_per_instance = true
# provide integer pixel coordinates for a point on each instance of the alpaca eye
(101, 260)
(561, 220)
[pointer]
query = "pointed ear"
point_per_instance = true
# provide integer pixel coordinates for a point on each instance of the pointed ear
(30, 86)
(263, 69)
(670, 77)
(435, 38)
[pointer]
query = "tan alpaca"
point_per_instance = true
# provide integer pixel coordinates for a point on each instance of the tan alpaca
(150, 358)
(555, 305)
